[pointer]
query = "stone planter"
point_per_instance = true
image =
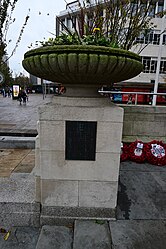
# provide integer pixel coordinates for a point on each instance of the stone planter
(90, 65)
(79, 138)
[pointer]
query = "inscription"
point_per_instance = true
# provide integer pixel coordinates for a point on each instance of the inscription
(80, 140)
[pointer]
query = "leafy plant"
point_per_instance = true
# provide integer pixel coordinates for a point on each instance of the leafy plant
(112, 23)
(73, 39)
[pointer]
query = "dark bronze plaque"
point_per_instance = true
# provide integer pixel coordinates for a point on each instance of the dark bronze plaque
(80, 140)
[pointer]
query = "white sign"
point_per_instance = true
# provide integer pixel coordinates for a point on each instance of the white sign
(16, 89)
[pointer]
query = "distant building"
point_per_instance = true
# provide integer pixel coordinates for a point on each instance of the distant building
(152, 49)
(33, 79)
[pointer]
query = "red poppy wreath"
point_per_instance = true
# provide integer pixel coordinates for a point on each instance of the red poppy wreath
(137, 152)
(156, 153)
(124, 155)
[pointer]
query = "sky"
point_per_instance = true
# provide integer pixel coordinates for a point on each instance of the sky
(41, 22)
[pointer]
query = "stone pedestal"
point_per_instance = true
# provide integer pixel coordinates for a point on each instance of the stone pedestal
(79, 187)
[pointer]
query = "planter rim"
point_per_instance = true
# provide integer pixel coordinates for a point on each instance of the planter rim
(89, 49)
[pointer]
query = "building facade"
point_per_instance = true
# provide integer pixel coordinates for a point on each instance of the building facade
(151, 48)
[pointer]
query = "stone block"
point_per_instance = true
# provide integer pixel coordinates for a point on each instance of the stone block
(109, 137)
(20, 219)
(128, 128)
(105, 168)
(148, 128)
(98, 194)
(145, 123)
(59, 193)
(52, 135)
(54, 112)
(36, 170)
(53, 215)
(15, 207)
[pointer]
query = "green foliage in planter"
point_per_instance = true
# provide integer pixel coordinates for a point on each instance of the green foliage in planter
(73, 39)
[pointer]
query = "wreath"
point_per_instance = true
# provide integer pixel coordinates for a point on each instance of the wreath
(156, 153)
(124, 154)
(137, 152)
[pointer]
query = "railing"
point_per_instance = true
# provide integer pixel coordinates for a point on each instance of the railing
(133, 93)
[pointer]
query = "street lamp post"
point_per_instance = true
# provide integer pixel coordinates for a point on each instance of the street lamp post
(159, 57)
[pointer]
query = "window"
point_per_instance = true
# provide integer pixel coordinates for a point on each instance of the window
(152, 10)
(63, 23)
(151, 38)
(140, 38)
(150, 64)
(160, 6)
(156, 39)
(164, 39)
(163, 66)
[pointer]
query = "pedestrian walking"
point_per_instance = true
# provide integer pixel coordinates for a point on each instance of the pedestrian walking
(20, 97)
(24, 97)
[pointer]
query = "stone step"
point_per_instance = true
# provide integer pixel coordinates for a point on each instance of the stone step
(18, 132)
(13, 142)
(55, 215)
(17, 201)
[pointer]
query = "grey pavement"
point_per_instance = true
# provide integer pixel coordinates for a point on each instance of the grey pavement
(141, 211)
(18, 123)
(16, 118)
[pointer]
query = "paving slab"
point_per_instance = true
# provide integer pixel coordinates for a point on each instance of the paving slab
(27, 164)
(20, 238)
(51, 237)
(138, 234)
(16, 160)
(91, 235)
(143, 167)
(142, 192)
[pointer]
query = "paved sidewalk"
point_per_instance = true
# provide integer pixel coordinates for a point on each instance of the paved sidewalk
(16, 119)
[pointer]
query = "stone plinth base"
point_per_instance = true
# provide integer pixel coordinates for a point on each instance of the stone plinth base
(80, 184)
(66, 215)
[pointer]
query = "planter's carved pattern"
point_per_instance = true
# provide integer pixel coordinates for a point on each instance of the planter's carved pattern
(82, 64)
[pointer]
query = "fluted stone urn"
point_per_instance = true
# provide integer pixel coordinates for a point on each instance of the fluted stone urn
(82, 66)
(79, 135)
